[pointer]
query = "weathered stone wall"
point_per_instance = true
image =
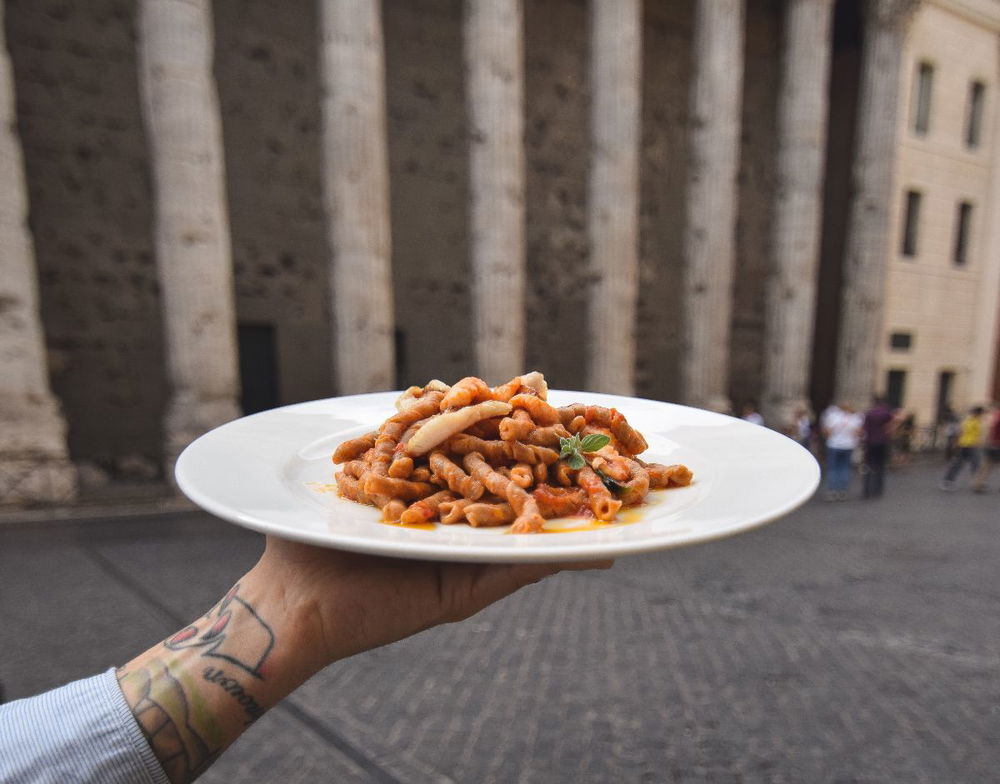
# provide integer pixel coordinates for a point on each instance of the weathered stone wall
(757, 178)
(80, 122)
(266, 68)
(845, 76)
(429, 189)
(666, 75)
(557, 103)
(90, 214)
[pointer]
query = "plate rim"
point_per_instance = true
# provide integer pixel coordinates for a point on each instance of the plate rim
(434, 550)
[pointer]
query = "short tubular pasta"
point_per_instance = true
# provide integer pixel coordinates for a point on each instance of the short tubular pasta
(605, 505)
(482, 515)
(354, 448)
(426, 509)
(487, 456)
(453, 476)
(454, 511)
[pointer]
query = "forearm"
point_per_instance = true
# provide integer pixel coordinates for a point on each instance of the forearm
(197, 691)
(297, 610)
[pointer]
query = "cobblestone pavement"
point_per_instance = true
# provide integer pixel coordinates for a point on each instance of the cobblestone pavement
(849, 642)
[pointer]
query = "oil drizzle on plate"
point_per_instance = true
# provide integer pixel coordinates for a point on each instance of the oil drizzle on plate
(562, 525)
(569, 525)
(323, 487)
(410, 526)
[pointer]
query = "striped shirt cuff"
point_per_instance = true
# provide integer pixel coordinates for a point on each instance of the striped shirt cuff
(83, 731)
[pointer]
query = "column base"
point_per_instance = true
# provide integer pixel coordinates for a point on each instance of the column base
(34, 462)
(189, 417)
(29, 481)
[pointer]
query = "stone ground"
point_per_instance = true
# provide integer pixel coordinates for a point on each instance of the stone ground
(849, 642)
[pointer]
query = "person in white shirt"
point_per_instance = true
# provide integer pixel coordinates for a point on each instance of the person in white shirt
(841, 427)
(751, 414)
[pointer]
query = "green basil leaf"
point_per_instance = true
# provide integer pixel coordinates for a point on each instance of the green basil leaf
(576, 461)
(594, 441)
(568, 446)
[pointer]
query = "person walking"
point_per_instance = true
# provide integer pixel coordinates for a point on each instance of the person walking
(948, 424)
(802, 429)
(751, 414)
(970, 434)
(992, 456)
(841, 428)
(879, 423)
(902, 452)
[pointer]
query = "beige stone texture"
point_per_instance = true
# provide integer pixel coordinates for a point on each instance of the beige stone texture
(356, 194)
(613, 193)
(493, 54)
(709, 233)
(950, 310)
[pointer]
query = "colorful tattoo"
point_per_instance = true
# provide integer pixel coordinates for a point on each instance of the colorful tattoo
(161, 708)
(255, 637)
(180, 718)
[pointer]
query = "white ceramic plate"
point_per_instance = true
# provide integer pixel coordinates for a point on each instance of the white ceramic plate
(271, 472)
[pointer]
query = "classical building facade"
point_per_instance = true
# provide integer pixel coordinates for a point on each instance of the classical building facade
(938, 341)
(234, 207)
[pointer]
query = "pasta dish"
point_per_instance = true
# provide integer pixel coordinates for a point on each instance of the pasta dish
(495, 456)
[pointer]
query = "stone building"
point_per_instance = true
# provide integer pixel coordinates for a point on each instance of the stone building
(233, 207)
(938, 343)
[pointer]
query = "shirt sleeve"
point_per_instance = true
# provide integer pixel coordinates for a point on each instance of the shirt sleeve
(83, 732)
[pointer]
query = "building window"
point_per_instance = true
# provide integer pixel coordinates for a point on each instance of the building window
(911, 222)
(922, 98)
(974, 114)
(946, 380)
(895, 388)
(963, 222)
(900, 341)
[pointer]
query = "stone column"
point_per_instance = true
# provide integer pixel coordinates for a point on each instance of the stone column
(713, 165)
(791, 289)
(356, 194)
(34, 464)
(494, 66)
(613, 197)
(184, 129)
(867, 246)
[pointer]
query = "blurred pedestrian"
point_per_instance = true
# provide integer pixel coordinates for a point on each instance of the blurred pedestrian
(878, 425)
(903, 438)
(992, 456)
(841, 427)
(970, 435)
(751, 414)
(948, 424)
(802, 428)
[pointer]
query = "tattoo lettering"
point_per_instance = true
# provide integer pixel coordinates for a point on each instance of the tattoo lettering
(161, 708)
(248, 649)
(231, 686)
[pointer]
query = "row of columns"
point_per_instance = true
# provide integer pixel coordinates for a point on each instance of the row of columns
(192, 236)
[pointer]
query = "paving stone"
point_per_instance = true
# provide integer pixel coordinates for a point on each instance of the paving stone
(849, 642)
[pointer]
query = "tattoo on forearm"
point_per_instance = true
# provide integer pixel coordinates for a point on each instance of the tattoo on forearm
(161, 708)
(231, 686)
(177, 716)
(211, 633)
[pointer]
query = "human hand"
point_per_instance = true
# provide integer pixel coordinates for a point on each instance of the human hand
(296, 611)
(343, 603)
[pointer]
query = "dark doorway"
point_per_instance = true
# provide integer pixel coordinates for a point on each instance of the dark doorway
(258, 367)
(895, 388)
(946, 380)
